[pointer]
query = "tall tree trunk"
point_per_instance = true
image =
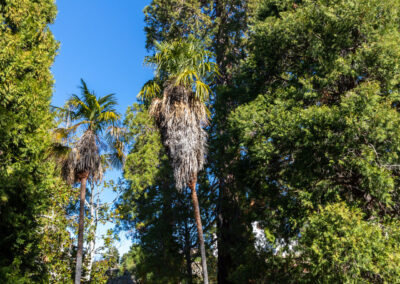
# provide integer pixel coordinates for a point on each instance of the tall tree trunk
(199, 229)
(79, 253)
(93, 208)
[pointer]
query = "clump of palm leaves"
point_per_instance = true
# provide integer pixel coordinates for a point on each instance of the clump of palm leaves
(178, 96)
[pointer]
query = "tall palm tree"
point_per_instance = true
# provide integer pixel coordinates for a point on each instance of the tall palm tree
(96, 120)
(178, 95)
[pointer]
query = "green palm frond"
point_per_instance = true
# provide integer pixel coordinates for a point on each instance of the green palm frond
(109, 99)
(116, 138)
(73, 128)
(58, 153)
(184, 62)
(109, 116)
(108, 106)
(202, 91)
(60, 134)
(149, 90)
(186, 78)
(97, 113)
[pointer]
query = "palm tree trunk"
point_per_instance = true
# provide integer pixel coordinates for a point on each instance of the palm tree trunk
(79, 253)
(199, 229)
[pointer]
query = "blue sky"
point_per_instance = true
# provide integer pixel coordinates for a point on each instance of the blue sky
(103, 42)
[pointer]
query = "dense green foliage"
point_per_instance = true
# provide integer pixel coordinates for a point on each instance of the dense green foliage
(27, 51)
(324, 129)
(170, 20)
(339, 246)
(56, 244)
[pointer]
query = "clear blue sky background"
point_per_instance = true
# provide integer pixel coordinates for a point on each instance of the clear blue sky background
(103, 42)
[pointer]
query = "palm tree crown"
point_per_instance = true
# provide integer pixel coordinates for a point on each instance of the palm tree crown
(97, 120)
(96, 113)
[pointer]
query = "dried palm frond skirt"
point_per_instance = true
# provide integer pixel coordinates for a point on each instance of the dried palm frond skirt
(181, 118)
(83, 158)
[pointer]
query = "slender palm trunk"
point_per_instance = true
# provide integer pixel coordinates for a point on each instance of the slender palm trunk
(79, 254)
(199, 229)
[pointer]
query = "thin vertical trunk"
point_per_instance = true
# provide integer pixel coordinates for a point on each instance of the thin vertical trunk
(199, 229)
(93, 207)
(79, 253)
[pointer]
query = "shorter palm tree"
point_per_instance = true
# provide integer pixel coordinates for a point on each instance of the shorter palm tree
(178, 94)
(100, 141)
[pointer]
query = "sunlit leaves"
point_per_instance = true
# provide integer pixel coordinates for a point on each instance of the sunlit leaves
(183, 62)
(150, 90)
(95, 112)
(338, 245)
